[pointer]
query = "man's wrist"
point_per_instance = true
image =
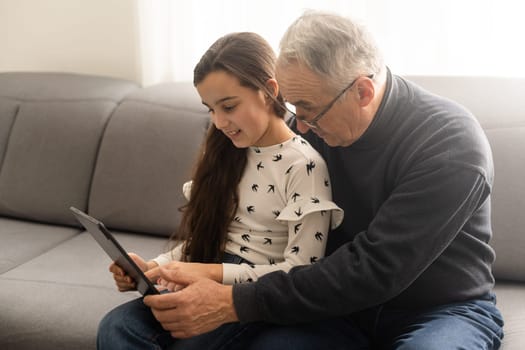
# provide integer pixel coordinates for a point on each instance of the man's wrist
(230, 313)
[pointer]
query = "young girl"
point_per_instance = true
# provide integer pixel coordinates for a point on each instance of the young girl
(259, 201)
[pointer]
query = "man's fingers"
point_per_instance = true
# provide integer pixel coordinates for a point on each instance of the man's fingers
(153, 274)
(161, 302)
(177, 276)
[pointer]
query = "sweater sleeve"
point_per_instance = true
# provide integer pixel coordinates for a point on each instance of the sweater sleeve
(429, 209)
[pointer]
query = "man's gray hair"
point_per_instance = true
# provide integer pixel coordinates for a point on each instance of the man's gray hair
(332, 46)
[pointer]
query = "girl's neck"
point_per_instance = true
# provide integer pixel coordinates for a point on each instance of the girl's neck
(277, 132)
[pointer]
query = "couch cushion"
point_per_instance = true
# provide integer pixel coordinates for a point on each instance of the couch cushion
(146, 155)
(46, 293)
(508, 201)
(23, 241)
(47, 316)
(50, 158)
(510, 302)
(82, 261)
(8, 110)
(62, 86)
(49, 154)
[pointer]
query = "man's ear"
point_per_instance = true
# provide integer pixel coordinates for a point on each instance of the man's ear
(366, 91)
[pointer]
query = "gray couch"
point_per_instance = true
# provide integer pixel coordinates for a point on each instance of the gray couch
(122, 152)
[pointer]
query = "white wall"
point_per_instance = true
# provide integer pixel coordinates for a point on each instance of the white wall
(82, 36)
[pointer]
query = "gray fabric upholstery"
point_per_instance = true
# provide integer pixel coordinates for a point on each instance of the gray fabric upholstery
(50, 152)
(50, 157)
(22, 241)
(508, 207)
(511, 296)
(8, 110)
(122, 153)
(145, 157)
(36, 86)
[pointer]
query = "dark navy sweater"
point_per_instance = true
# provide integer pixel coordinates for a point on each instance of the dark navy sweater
(415, 188)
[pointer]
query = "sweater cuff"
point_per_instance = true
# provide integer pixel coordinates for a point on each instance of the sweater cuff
(245, 302)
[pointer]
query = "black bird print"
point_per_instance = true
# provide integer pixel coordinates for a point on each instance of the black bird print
(298, 212)
(295, 195)
(319, 236)
(296, 228)
(257, 150)
(237, 219)
(271, 188)
(295, 250)
(276, 213)
(326, 183)
(271, 261)
(250, 209)
(313, 260)
(309, 167)
(260, 166)
(277, 157)
(244, 249)
(323, 212)
(288, 170)
(246, 237)
(267, 241)
(252, 265)
(255, 187)
(315, 200)
(249, 280)
(303, 142)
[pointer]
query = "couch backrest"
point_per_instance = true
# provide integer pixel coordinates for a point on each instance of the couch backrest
(146, 155)
(50, 129)
(499, 105)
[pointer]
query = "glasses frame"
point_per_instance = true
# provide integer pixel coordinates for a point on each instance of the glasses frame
(313, 123)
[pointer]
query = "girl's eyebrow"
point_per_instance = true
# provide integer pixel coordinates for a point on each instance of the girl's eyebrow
(227, 98)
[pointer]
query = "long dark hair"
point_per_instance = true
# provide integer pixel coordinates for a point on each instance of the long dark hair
(218, 171)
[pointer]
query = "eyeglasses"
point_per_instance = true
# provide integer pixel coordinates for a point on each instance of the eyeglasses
(313, 123)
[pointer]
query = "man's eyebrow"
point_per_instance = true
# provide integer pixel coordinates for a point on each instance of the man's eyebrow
(301, 104)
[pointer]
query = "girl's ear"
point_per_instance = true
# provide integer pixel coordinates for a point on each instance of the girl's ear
(273, 87)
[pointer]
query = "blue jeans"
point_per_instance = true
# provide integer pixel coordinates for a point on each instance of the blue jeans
(475, 324)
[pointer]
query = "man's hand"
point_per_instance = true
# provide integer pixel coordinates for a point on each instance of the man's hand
(201, 306)
(210, 271)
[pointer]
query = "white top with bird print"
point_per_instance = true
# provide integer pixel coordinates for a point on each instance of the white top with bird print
(284, 215)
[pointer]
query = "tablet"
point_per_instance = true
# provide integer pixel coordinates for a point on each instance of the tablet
(115, 251)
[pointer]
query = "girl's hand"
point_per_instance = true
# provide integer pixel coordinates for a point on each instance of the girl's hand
(209, 271)
(125, 282)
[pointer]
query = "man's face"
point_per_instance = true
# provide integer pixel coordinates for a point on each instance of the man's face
(341, 123)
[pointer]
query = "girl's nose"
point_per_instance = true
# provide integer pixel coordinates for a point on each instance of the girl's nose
(219, 120)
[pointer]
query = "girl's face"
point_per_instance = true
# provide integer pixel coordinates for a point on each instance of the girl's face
(244, 115)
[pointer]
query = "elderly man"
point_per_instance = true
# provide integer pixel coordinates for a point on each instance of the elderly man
(410, 267)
